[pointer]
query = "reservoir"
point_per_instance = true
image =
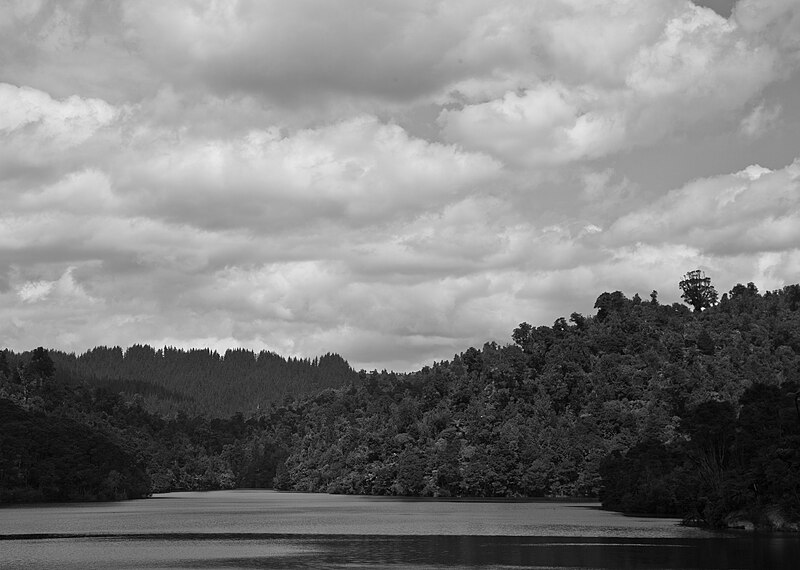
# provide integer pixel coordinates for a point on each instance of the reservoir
(267, 529)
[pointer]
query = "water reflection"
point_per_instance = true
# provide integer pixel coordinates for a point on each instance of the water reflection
(297, 513)
(381, 551)
(287, 530)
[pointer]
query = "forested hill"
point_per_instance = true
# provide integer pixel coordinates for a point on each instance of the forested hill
(202, 381)
(653, 408)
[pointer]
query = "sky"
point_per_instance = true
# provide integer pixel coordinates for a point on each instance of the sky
(394, 181)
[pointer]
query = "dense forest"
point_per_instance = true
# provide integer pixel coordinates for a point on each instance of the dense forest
(202, 382)
(652, 408)
(64, 418)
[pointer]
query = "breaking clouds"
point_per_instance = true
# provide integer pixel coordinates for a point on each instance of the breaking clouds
(393, 181)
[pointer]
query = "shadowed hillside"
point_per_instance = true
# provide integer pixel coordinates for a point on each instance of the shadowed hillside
(202, 381)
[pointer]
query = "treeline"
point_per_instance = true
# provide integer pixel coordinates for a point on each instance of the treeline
(653, 408)
(63, 442)
(89, 427)
(57, 459)
(202, 382)
(737, 465)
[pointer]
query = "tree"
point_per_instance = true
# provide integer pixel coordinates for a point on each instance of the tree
(705, 343)
(579, 320)
(522, 334)
(40, 365)
(5, 369)
(608, 303)
(698, 290)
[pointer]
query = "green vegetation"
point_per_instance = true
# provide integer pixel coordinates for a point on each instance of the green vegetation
(652, 408)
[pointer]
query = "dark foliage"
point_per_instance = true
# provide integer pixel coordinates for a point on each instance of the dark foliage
(653, 408)
(698, 290)
(644, 405)
(651, 478)
(45, 458)
(202, 381)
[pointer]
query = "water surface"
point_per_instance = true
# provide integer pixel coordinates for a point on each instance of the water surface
(265, 529)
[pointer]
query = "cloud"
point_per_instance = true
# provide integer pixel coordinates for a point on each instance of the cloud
(359, 171)
(393, 181)
(64, 48)
(302, 53)
(33, 291)
(777, 20)
(754, 210)
(67, 123)
(41, 136)
(691, 66)
(65, 289)
(84, 192)
(760, 120)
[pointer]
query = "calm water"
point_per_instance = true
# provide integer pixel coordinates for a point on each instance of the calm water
(264, 529)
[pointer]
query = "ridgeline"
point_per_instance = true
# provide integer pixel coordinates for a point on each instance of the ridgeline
(653, 408)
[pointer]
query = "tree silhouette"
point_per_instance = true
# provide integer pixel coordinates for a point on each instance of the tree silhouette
(5, 369)
(40, 365)
(698, 290)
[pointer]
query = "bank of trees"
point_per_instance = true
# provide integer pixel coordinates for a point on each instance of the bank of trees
(51, 456)
(653, 408)
(734, 462)
(201, 381)
(109, 424)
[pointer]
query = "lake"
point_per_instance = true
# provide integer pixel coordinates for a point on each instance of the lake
(267, 529)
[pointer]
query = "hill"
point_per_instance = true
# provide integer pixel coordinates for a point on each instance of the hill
(201, 382)
(652, 408)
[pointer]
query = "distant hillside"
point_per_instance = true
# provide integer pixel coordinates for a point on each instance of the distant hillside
(202, 381)
(652, 408)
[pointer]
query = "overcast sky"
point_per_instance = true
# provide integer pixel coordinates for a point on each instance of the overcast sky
(395, 181)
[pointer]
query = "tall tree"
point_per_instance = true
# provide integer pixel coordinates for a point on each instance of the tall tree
(5, 369)
(40, 365)
(698, 290)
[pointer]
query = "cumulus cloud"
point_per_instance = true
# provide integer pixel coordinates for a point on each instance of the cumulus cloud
(33, 291)
(359, 170)
(392, 181)
(754, 210)
(65, 289)
(64, 48)
(776, 20)
(761, 119)
(293, 54)
(27, 111)
(690, 66)
(84, 192)
(40, 135)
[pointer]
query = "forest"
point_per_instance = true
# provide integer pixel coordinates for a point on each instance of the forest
(202, 382)
(687, 410)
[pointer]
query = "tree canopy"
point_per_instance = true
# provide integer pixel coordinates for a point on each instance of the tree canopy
(650, 407)
(698, 290)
